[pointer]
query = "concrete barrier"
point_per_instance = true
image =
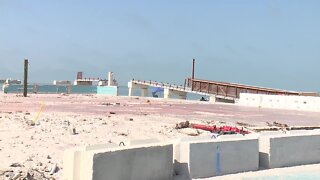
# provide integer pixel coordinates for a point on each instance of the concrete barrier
(194, 157)
(144, 162)
(200, 158)
(283, 150)
(305, 103)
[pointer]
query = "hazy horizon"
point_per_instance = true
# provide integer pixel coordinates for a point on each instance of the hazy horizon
(262, 43)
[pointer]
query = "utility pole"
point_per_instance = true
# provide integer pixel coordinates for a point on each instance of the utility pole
(25, 81)
(193, 62)
(192, 78)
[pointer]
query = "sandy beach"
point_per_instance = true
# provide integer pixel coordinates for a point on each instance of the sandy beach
(35, 131)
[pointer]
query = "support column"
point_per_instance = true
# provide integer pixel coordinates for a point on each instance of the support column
(167, 93)
(130, 92)
(69, 89)
(212, 99)
(110, 79)
(144, 92)
(35, 89)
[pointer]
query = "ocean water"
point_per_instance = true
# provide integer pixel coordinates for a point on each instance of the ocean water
(122, 90)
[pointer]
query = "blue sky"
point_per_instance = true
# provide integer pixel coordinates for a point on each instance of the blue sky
(265, 43)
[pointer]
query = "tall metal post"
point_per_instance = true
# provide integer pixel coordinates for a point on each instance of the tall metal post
(25, 81)
(193, 62)
(192, 78)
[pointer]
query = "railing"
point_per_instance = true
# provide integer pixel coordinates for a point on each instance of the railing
(222, 89)
(231, 89)
(161, 84)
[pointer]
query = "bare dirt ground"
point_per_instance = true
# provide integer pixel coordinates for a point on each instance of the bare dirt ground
(35, 131)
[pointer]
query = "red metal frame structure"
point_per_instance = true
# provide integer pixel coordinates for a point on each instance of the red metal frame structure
(232, 90)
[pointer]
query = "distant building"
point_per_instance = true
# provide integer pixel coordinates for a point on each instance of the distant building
(12, 81)
(61, 83)
(86, 82)
(80, 81)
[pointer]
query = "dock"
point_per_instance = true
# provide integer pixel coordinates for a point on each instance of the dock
(213, 89)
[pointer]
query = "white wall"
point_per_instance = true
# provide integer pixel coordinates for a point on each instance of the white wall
(304, 103)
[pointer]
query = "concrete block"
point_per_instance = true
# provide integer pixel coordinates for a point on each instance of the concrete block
(273, 101)
(143, 162)
(289, 149)
(247, 99)
(207, 158)
(304, 103)
(72, 164)
(295, 103)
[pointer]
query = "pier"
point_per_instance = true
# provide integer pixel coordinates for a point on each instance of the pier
(213, 89)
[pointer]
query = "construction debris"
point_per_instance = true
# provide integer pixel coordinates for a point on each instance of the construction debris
(3, 172)
(212, 129)
(273, 128)
(31, 123)
(282, 125)
(182, 125)
(53, 169)
(243, 124)
(15, 165)
(190, 132)
(73, 131)
(15, 176)
(220, 130)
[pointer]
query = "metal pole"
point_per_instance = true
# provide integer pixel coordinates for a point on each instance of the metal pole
(25, 81)
(192, 78)
(193, 62)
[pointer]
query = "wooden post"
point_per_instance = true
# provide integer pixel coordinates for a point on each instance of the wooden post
(25, 81)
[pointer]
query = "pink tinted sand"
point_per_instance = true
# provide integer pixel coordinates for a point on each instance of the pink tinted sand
(105, 119)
